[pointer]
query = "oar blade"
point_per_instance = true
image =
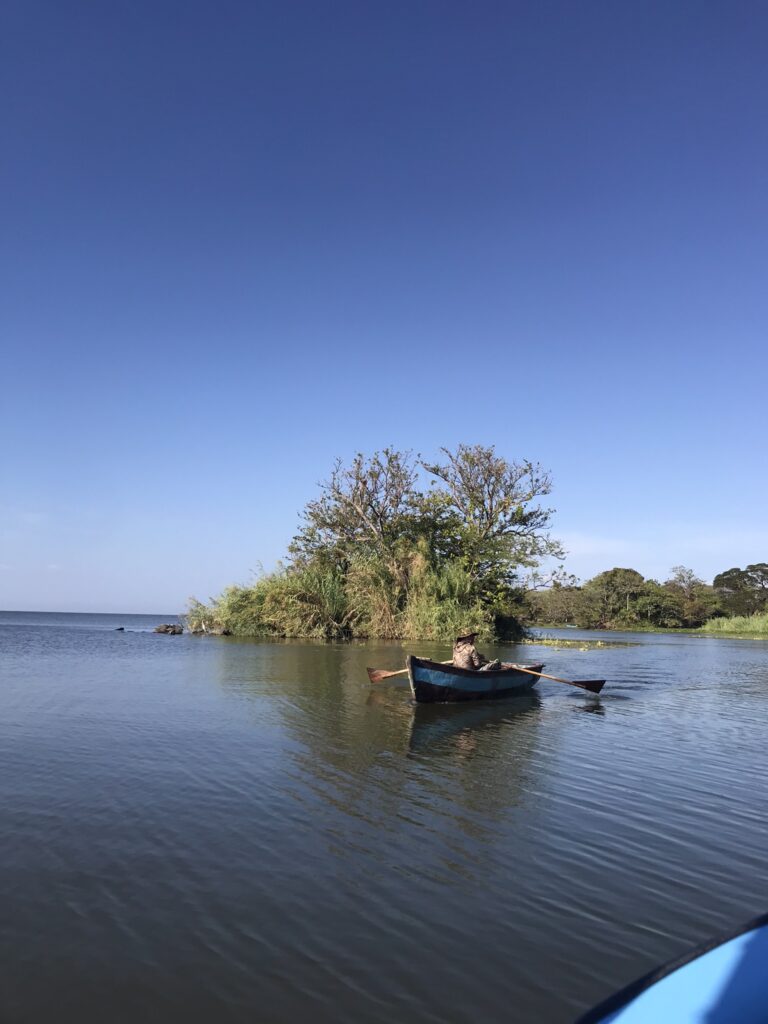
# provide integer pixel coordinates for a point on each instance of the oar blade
(593, 685)
(377, 674)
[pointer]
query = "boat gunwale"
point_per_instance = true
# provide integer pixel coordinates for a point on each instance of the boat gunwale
(621, 999)
(471, 673)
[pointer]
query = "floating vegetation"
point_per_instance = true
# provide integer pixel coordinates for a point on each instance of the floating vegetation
(577, 645)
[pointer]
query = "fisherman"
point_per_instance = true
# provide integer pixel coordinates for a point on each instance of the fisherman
(466, 656)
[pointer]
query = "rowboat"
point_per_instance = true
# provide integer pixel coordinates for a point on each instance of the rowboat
(725, 981)
(432, 681)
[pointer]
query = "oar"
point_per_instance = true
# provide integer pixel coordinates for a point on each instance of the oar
(593, 685)
(377, 674)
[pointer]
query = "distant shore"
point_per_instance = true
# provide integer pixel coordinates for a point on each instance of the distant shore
(743, 626)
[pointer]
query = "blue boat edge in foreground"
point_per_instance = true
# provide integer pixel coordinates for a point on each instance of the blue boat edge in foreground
(721, 981)
(432, 682)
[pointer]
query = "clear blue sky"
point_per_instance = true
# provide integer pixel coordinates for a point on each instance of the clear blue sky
(240, 239)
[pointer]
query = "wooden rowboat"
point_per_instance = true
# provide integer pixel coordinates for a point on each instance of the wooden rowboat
(433, 682)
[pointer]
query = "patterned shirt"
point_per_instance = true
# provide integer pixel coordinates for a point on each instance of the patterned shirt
(465, 656)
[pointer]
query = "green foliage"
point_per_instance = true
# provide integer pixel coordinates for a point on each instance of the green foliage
(377, 555)
(623, 599)
(376, 595)
(658, 605)
(368, 506)
(739, 625)
(496, 525)
(202, 618)
(557, 605)
(443, 603)
(610, 598)
(309, 602)
(697, 601)
(743, 591)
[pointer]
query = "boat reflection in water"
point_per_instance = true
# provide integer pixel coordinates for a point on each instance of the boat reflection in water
(372, 759)
(450, 727)
(475, 763)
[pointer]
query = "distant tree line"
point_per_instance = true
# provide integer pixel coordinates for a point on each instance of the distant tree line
(624, 599)
(396, 546)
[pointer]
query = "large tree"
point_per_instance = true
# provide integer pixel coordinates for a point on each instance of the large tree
(743, 591)
(659, 605)
(698, 602)
(368, 506)
(560, 604)
(609, 596)
(493, 510)
(377, 523)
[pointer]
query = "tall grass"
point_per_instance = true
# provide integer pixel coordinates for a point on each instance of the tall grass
(376, 597)
(752, 625)
(309, 602)
(372, 599)
(441, 605)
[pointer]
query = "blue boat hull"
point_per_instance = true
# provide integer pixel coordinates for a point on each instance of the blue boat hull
(433, 683)
(722, 982)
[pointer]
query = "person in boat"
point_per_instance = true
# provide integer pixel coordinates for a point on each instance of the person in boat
(465, 655)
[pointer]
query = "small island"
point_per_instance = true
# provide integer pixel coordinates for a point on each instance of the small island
(399, 548)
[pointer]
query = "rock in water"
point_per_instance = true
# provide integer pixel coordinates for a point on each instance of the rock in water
(170, 628)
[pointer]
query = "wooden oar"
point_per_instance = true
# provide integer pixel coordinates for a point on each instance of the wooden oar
(377, 674)
(593, 685)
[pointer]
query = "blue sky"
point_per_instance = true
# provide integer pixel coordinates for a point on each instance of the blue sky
(240, 239)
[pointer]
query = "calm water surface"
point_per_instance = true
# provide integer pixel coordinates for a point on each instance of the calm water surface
(202, 829)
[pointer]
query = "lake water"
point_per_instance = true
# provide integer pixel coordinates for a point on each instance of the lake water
(206, 829)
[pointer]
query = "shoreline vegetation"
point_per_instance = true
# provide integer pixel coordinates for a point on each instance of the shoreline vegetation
(395, 547)
(736, 603)
(398, 548)
(739, 625)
